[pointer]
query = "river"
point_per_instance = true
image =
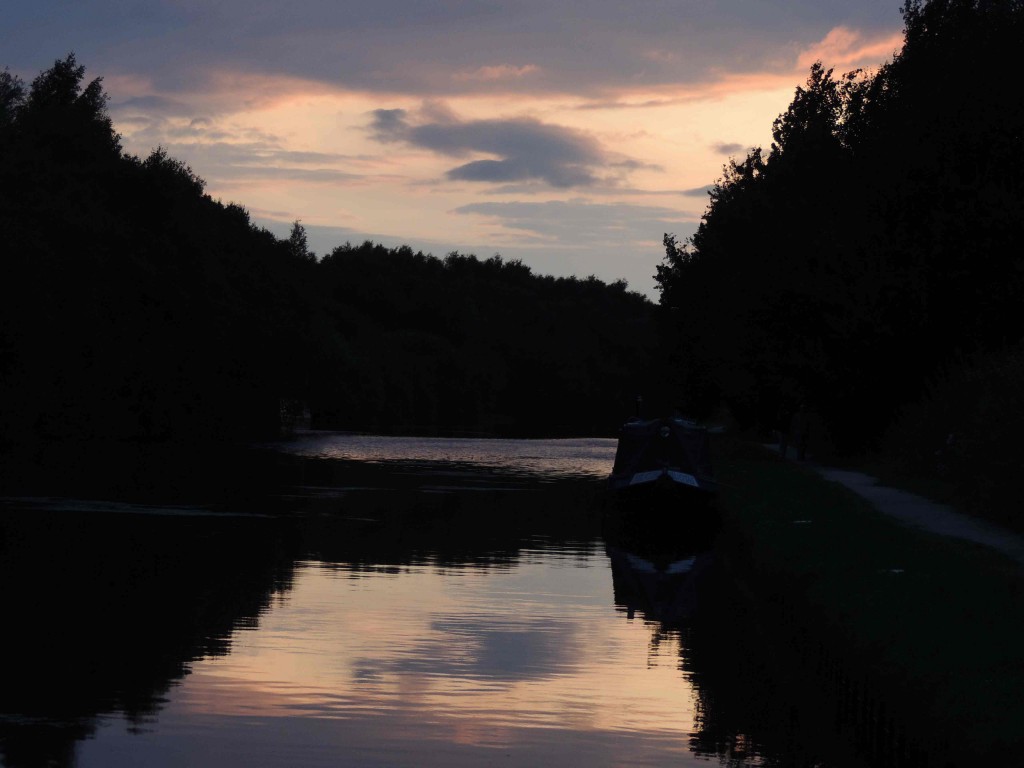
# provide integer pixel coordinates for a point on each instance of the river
(343, 600)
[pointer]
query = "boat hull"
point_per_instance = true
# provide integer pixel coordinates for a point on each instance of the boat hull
(662, 476)
(666, 478)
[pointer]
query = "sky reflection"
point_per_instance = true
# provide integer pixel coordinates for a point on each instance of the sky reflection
(429, 666)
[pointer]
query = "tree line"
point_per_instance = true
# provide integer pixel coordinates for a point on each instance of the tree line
(134, 305)
(874, 248)
(866, 268)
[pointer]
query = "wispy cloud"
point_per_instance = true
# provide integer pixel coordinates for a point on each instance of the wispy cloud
(152, 105)
(701, 192)
(580, 223)
(492, 73)
(235, 161)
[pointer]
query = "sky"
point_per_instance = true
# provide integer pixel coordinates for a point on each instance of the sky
(572, 136)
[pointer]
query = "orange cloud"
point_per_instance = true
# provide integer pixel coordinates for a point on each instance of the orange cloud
(720, 85)
(849, 48)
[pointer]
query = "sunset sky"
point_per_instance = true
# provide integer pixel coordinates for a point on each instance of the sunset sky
(571, 136)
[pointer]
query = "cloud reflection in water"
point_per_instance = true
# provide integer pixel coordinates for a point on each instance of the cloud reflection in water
(429, 666)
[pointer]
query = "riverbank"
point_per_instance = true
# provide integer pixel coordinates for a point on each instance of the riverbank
(928, 623)
(926, 514)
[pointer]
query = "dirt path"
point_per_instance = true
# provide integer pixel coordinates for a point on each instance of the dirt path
(918, 512)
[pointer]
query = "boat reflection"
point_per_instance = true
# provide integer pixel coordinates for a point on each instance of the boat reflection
(678, 590)
(756, 703)
(663, 590)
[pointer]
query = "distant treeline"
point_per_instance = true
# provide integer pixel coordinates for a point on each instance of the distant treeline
(875, 250)
(471, 344)
(133, 305)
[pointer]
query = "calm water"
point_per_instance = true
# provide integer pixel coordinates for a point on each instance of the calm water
(357, 601)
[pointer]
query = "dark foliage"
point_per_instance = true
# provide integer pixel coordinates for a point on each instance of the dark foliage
(877, 241)
(132, 305)
(478, 345)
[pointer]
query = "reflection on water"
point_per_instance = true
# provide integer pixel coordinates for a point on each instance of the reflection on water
(585, 458)
(435, 607)
(102, 612)
(430, 666)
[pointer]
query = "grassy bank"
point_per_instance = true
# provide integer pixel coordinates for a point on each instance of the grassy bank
(930, 624)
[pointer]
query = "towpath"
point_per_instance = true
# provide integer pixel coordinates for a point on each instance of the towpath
(918, 512)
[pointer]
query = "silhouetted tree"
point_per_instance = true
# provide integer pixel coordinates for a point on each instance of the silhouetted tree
(883, 225)
(136, 306)
(12, 96)
(298, 244)
(133, 304)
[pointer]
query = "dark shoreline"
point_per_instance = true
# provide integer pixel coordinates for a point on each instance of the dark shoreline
(911, 632)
